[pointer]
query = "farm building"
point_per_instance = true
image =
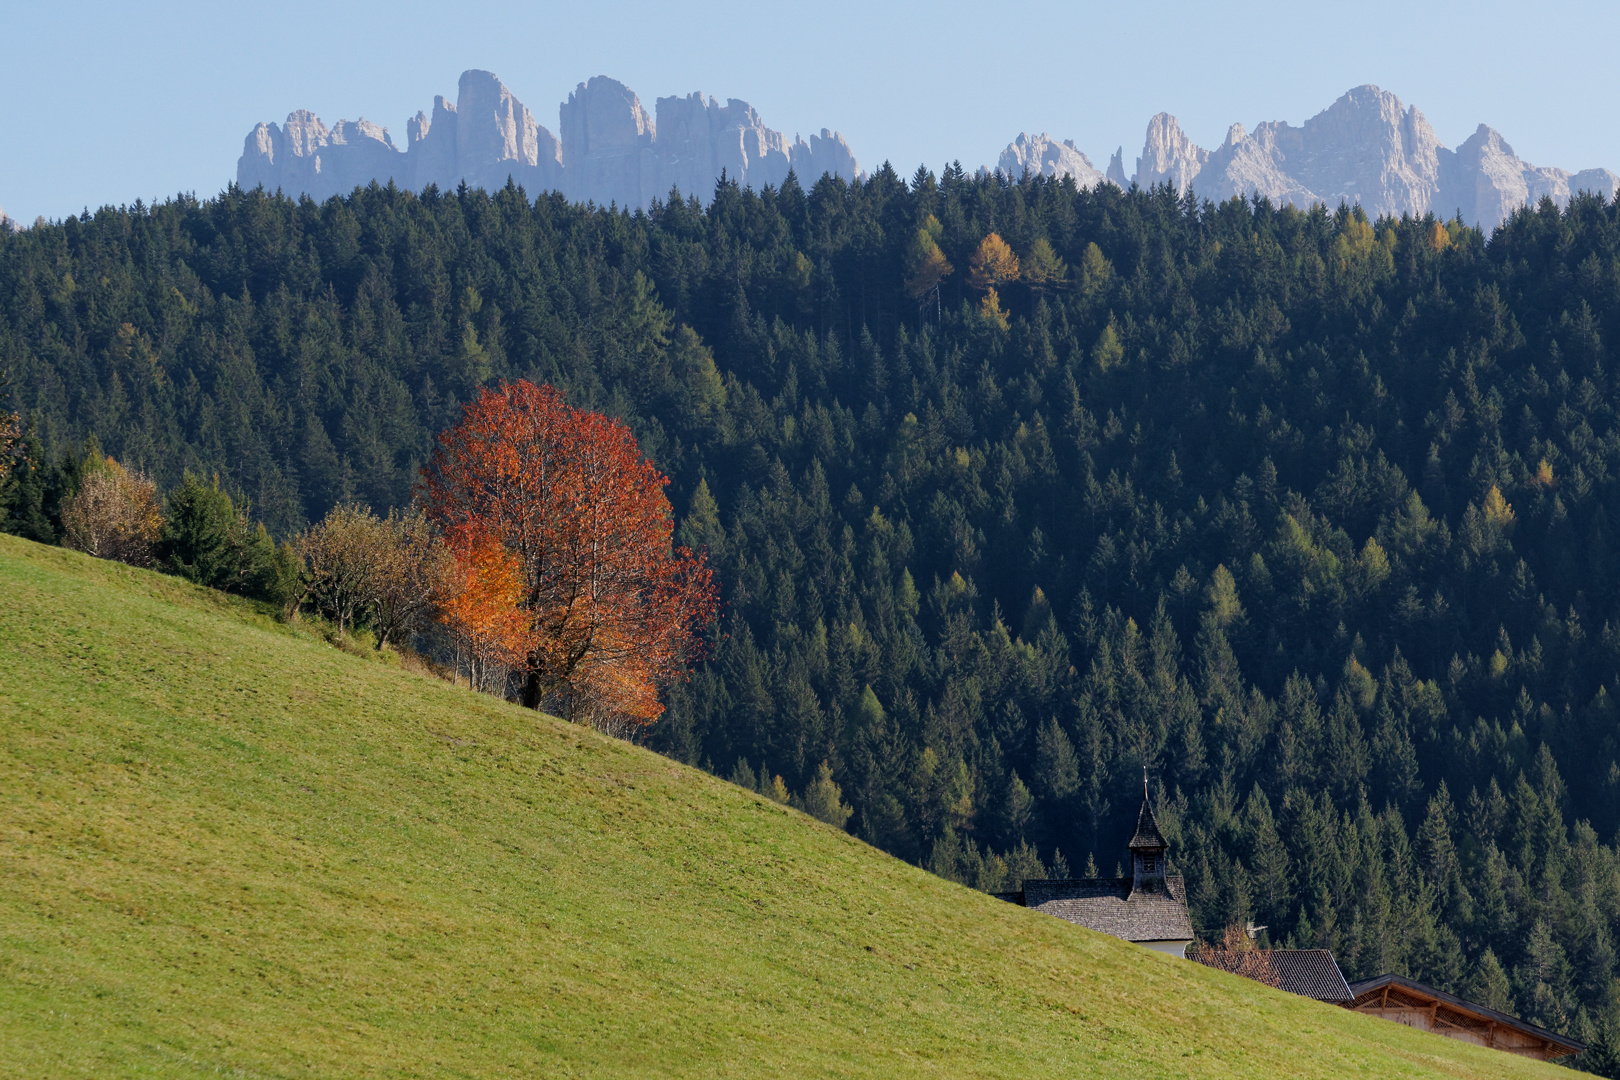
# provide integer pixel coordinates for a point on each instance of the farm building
(1408, 1002)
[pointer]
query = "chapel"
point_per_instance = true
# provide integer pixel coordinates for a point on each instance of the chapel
(1149, 907)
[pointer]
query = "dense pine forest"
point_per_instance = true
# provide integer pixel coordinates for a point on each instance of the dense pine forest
(1305, 515)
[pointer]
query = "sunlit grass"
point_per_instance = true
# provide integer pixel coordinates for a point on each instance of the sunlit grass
(231, 848)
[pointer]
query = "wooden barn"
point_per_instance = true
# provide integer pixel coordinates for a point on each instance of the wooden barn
(1427, 1009)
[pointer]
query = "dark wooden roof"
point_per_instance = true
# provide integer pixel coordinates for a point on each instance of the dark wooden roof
(1367, 989)
(1309, 973)
(1107, 905)
(1147, 835)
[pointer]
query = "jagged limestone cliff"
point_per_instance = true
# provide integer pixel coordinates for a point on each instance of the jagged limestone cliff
(610, 151)
(1367, 148)
(1042, 156)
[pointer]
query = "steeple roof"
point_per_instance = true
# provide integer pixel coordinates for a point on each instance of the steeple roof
(1147, 835)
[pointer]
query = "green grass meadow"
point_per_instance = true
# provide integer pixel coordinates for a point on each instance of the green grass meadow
(228, 848)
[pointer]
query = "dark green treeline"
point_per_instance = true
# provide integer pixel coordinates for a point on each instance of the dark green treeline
(1308, 515)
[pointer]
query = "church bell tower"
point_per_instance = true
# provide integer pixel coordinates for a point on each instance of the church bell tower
(1148, 849)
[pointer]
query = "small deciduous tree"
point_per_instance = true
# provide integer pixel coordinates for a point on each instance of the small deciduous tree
(926, 265)
(340, 556)
(1042, 268)
(392, 570)
(823, 798)
(1095, 272)
(406, 581)
(1237, 955)
(991, 311)
(114, 514)
(611, 612)
(10, 422)
(1109, 350)
(10, 442)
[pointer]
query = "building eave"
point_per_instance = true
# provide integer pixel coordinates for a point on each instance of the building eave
(1365, 986)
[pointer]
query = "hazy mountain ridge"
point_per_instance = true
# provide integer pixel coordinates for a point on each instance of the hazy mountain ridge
(611, 150)
(1367, 147)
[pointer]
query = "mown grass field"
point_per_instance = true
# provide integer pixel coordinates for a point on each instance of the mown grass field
(229, 848)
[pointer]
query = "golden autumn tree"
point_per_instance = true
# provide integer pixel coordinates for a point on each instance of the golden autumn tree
(993, 264)
(991, 311)
(356, 565)
(114, 514)
(926, 265)
(609, 610)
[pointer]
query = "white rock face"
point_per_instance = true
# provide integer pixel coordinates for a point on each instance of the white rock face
(610, 151)
(1485, 181)
(431, 147)
(1041, 156)
(607, 145)
(1247, 164)
(1116, 170)
(303, 155)
(1168, 156)
(1367, 148)
(496, 137)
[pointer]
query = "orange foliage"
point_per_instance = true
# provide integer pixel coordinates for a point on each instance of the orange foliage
(479, 597)
(527, 486)
(993, 263)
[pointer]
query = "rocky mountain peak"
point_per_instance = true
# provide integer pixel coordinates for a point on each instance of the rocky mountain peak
(1040, 155)
(611, 151)
(1168, 156)
(1116, 169)
(1367, 147)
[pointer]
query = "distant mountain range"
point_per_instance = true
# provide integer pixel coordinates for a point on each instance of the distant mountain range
(610, 150)
(1366, 147)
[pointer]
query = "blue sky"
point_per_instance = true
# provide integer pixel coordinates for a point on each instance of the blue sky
(106, 103)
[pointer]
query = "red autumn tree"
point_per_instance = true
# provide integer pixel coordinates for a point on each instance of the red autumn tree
(609, 611)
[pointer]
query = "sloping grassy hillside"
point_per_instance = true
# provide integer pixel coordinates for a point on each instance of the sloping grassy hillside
(228, 847)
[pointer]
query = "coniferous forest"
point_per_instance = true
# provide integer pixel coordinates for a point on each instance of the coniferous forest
(1306, 515)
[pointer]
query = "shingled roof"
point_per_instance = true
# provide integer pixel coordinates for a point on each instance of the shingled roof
(1309, 973)
(1147, 835)
(1106, 905)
